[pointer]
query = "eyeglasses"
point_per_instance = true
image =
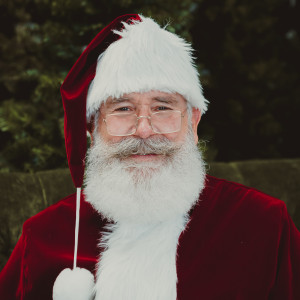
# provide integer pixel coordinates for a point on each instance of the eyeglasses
(162, 122)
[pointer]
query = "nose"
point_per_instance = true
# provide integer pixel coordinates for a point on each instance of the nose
(144, 129)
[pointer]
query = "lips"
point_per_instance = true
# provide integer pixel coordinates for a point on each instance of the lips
(144, 155)
(149, 156)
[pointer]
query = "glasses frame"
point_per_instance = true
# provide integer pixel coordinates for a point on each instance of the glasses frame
(147, 117)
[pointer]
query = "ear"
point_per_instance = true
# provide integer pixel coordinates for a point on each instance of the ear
(90, 127)
(196, 117)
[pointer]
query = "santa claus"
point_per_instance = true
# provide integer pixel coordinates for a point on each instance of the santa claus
(149, 224)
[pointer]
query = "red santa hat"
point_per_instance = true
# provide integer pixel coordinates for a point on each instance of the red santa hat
(131, 54)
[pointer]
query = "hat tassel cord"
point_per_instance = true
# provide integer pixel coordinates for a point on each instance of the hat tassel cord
(76, 284)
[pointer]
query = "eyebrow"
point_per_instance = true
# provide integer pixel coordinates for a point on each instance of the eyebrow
(118, 100)
(168, 99)
(163, 99)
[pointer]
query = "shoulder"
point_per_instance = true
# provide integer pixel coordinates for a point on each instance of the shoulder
(230, 213)
(234, 200)
(63, 207)
(60, 215)
(222, 188)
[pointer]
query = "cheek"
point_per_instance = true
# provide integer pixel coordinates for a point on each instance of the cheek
(179, 136)
(105, 136)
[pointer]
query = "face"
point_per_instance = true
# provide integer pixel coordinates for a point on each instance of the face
(144, 104)
(124, 172)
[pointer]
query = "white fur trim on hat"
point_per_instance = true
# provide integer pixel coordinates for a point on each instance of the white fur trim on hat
(146, 57)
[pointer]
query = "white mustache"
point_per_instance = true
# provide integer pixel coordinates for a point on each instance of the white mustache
(137, 146)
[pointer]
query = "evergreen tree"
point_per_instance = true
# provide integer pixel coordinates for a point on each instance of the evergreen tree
(39, 42)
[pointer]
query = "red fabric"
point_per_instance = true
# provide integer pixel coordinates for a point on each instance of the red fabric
(239, 244)
(74, 92)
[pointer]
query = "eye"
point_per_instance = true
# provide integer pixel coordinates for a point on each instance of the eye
(123, 108)
(161, 108)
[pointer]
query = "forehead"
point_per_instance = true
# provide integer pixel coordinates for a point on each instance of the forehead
(148, 98)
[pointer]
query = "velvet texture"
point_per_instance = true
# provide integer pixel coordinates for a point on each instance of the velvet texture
(74, 92)
(239, 244)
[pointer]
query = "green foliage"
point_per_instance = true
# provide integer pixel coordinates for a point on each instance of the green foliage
(39, 42)
(248, 60)
(34, 129)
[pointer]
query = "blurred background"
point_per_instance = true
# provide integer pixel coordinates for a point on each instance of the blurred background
(247, 54)
(248, 59)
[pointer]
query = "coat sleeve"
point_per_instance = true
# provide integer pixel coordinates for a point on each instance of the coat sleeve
(287, 281)
(11, 277)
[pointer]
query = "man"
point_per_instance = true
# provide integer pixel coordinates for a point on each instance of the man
(152, 224)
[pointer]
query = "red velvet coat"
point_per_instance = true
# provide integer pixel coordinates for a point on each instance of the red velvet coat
(239, 244)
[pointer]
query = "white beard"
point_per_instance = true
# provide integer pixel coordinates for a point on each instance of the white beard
(124, 191)
(149, 204)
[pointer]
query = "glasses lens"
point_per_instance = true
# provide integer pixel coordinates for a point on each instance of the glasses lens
(121, 124)
(166, 121)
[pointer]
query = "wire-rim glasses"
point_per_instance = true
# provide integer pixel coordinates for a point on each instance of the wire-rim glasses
(125, 124)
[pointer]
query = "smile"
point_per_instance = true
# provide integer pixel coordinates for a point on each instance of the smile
(143, 157)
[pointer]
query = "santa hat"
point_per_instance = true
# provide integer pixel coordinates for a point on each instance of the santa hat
(131, 54)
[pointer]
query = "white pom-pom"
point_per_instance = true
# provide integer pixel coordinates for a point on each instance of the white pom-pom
(77, 284)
